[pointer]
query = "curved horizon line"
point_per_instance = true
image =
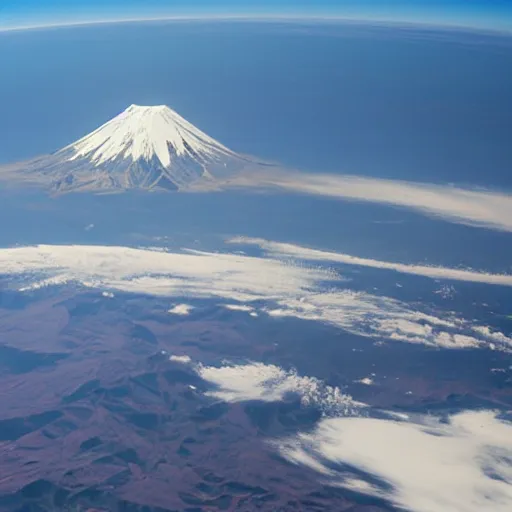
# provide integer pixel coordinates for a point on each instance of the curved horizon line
(449, 26)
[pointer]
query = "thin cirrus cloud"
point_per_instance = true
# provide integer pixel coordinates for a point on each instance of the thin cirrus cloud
(479, 208)
(278, 249)
(280, 288)
(460, 463)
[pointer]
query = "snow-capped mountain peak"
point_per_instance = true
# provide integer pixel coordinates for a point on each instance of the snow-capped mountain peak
(144, 132)
(144, 147)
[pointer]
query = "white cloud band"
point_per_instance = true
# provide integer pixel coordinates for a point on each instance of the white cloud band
(278, 249)
(472, 207)
(288, 290)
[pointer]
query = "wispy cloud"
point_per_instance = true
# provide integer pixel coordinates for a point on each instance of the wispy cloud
(460, 463)
(385, 318)
(277, 249)
(472, 207)
(280, 288)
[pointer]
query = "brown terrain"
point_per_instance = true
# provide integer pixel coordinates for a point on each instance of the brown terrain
(94, 416)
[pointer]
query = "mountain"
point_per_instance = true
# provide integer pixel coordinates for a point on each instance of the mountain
(148, 148)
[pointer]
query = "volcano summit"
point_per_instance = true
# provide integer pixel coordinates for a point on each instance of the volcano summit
(141, 148)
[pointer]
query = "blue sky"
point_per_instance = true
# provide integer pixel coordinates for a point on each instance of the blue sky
(495, 14)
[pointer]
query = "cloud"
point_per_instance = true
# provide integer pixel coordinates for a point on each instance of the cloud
(367, 381)
(386, 318)
(270, 383)
(181, 309)
(193, 273)
(285, 289)
(180, 359)
(459, 464)
(481, 208)
(239, 307)
(278, 249)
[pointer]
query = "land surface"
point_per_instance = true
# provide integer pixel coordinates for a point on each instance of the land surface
(96, 417)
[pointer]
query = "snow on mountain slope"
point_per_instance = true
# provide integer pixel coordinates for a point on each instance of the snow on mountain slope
(146, 132)
(143, 147)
